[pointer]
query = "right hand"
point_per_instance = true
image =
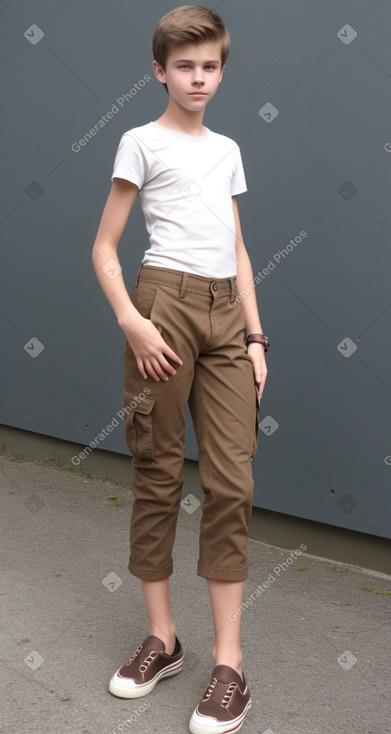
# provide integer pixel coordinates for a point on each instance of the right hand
(151, 351)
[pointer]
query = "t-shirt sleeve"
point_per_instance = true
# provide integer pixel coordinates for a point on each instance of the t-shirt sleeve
(238, 182)
(130, 162)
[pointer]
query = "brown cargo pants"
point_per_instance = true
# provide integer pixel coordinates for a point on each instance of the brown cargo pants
(200, 320)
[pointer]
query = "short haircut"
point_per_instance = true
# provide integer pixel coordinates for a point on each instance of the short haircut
(188, 24)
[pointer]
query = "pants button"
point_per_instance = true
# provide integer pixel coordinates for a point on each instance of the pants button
(214, 286)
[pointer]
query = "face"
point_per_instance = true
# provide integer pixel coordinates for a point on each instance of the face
(193, 73)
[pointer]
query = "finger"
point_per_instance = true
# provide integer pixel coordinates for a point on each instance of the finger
(161, 367)
(140, 366)
(166, 364)
(258, 372)
(260, 388)
(258, 376)
(151, 371)
(168, 352)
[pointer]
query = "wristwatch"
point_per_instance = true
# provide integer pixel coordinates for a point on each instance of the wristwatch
(259, 339)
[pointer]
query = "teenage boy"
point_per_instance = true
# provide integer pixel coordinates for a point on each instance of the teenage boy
(186, 341)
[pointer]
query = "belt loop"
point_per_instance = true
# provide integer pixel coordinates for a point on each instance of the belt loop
(232, 282)
(138, 276)
(182, 291)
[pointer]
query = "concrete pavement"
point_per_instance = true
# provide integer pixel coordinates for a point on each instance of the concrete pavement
(315, 634)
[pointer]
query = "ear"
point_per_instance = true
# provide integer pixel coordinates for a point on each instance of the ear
(221, 74)
(159, 72)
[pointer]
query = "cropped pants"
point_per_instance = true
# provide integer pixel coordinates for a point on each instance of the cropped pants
(202, 322)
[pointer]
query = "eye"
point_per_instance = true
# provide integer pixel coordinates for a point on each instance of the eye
(184, 66)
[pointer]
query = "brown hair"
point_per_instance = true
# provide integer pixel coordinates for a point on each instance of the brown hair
(188, 24)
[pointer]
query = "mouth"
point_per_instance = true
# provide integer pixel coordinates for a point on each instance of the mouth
(198, 94)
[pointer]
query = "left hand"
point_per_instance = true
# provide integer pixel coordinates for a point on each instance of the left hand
(256, 352)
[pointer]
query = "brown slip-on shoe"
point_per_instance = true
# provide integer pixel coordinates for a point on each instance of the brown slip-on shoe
(224, 705)
(148, 664)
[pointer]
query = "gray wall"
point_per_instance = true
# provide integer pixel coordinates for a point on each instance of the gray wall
(307, 97)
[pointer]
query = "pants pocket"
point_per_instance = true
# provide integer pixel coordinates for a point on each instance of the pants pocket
(143, 297)
(138, 422)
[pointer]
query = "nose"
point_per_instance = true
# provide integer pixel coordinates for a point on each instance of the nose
(198, 76)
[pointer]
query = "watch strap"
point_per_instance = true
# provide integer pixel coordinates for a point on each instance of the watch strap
(258, 339)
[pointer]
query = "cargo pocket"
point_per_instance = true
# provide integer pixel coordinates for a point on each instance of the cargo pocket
(256, 428)
(138, 422)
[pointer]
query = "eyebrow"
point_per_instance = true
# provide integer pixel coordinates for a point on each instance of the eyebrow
(191, 61)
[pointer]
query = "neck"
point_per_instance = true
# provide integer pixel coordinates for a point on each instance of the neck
(181, 120)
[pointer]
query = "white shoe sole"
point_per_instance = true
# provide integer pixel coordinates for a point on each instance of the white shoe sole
(208, 725)
(126, 688)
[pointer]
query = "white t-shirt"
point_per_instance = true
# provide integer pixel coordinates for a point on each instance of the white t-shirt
(185, 185)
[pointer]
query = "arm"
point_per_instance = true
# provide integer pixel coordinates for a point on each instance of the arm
(256, 352)
(145, 340)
